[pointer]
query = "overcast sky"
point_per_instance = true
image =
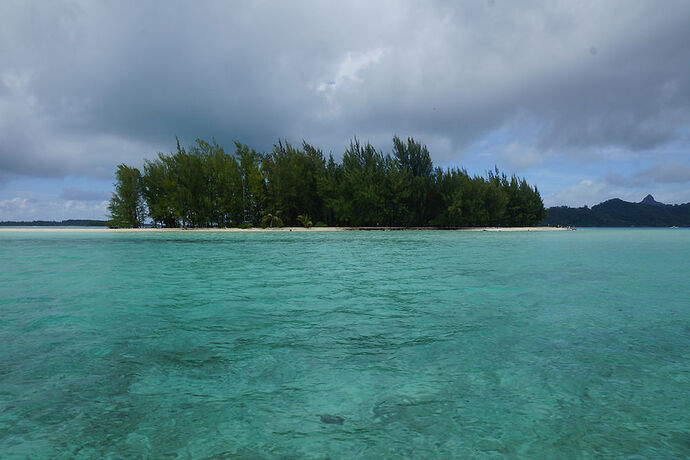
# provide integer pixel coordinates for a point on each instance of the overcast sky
(587, 100)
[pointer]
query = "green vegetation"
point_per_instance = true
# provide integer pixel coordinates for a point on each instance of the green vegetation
(127, 205)
(272, 219)
(305, 221)
(204, 186)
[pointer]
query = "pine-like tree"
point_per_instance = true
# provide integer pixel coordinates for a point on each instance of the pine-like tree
(127, 205)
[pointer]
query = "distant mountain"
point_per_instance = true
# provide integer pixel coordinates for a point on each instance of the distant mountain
(649, 199)
(52, 223)
(619, 213)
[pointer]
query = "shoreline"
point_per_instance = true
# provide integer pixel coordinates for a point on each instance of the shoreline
(286, 229)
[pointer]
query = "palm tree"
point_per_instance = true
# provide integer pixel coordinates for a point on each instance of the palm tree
(272, 219)
(304, 220)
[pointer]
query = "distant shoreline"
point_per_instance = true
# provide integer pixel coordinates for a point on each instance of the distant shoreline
(285, 229)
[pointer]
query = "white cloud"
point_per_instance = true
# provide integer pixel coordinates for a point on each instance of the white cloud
(586, 192)
(519, 157)
(350, 68)
(347, 79)
(27, 209)
(591, 192)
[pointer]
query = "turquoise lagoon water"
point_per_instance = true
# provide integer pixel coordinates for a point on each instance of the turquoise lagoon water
(345, 345)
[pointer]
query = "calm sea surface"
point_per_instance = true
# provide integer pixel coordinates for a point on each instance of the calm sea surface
(345, 345)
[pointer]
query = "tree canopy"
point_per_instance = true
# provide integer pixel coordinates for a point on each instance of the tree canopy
(126, 206)
(204, 186)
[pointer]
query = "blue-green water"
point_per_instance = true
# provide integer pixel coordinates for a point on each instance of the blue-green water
(345, 345)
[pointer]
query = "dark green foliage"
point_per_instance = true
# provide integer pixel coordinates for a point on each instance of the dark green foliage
(304, 220)
(204, 187)
(413, 179)
(619, 213)
(253, 185)
(127, 204)
(272, 219)
(292, 180)
(363, 186)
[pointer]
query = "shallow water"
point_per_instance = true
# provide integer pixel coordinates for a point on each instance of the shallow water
(345, 345)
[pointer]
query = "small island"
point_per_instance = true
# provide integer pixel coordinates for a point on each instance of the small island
(619, 213)
(205, 187)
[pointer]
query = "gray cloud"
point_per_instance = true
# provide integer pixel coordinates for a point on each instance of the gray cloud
(669, 172)
(85, 86)
(77, 194)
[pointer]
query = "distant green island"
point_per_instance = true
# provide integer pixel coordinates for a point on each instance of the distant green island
(204, 186)
(53, 223)
(619, 213)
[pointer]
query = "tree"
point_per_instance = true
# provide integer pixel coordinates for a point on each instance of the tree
(253, 186)
(272, 219)
(305, 221)
(127, 205)
(159, 191)
(292, 176)
(363, 185)
(416, 170)
(223, 185)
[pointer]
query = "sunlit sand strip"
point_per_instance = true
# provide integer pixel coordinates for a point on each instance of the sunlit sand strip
(284, 229)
